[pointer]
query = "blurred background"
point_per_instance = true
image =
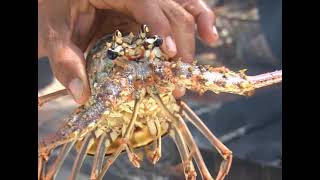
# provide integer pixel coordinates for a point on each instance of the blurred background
(251, 38)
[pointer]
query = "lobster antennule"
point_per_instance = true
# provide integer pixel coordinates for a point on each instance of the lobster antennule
(202, 78)
(266, 79)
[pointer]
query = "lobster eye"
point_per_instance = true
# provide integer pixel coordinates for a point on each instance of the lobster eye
(158, 42)
(144, 28)
(112, 54)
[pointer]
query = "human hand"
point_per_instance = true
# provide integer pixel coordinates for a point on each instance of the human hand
(67, 28)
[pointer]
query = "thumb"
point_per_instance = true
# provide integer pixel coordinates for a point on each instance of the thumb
(68, 65)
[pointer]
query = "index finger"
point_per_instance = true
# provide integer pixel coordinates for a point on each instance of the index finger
(205, 19)
(183, 29)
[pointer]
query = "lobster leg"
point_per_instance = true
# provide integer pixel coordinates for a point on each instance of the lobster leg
(134, 159)
(193, 147)
(43, 171)
(189, 170)
(110, 161)
(80, 157)
(179, 123)
(155, 154)
(99, 156)
(124, 141)
(49, 97)
(55, 167)
(222, 149)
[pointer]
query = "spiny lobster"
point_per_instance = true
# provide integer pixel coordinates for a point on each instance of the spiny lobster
(132, 106)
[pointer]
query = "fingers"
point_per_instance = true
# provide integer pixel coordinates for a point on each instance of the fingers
(148, 12)
(68, 65)
(173, 21)
(183, 28)
(206, 28)
(204, 17)
(145, 12)
(56, 28)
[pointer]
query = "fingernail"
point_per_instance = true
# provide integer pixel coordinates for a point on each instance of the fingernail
(76, 88)
(215, 31)
(171, 45)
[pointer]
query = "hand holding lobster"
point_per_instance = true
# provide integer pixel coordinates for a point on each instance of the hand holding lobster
(68, 28)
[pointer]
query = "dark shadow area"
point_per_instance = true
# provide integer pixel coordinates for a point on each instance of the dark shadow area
(45, 76)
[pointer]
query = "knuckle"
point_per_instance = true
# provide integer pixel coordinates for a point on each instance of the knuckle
(49, 37)
(55, 35)
(210, 14)
(189, 20)
(189, 2)
(164, 27)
